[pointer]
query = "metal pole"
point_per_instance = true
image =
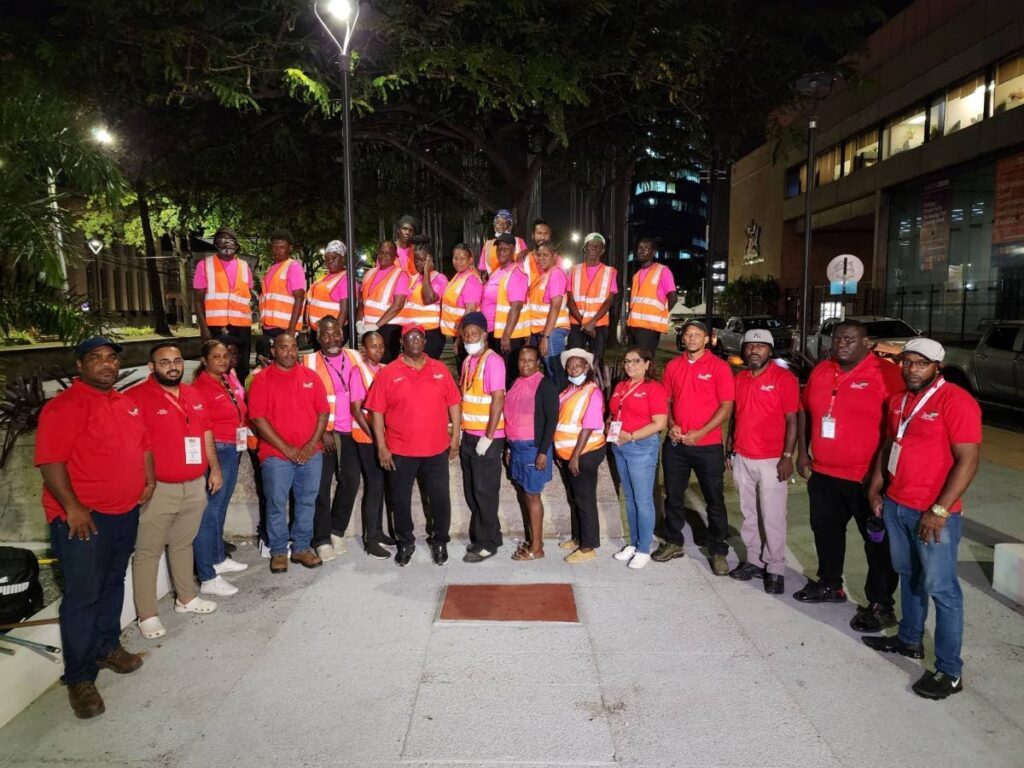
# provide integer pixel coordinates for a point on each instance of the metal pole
(350, 269)
(808, 215)
(709, 290)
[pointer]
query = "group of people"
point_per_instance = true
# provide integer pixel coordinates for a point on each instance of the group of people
(154, 468)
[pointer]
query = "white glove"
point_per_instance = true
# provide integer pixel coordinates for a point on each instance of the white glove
(371, 327)
(360, 329)
(482, 445)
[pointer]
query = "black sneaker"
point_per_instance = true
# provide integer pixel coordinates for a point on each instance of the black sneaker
(937, 686)
(387, 541)
(477, 554)
(894, 645)
(404, 555)
(873, 617)
(668, 551)
(229, 548)
(374, 549)
(774, 583)
(746, 571)
(816, 592)
(439, 552)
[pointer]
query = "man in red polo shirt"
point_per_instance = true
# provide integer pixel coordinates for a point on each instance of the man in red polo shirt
(183, 448)
(700, 390)
(93, 451)
(840, 429)
(416, 419)
(929, 459)
(761, 445)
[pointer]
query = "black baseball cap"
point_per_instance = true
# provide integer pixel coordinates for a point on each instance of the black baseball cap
(505, 238)
(94, 342)
(699, 323)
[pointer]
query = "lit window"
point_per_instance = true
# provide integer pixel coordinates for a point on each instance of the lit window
(860, 152)
(652, 201)
(719, 289)
(670, 187)
(718, 265)
(903, 133)
(690, 176)
(965, 105)
(677, 205)
(796, 180)
(1008, 91)
(826, 166)
(685, 255)
(719, 276)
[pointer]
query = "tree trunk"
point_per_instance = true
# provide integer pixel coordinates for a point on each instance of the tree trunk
(184, 290)
(156, 295)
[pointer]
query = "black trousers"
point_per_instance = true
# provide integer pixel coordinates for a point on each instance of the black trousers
(708, 463)
(373, 492)
(581, 492)
(460, 356)
(392, 335)
(511, 359)
(432, 473)
(333, 513)
(434, 343)
(244, 336)
(646, 338)
(595, 344)
(481, 481)
(833, 502)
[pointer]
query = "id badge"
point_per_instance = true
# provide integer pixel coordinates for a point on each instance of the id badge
(193, 450)
(828, 427)
(614, 429)
(894, 458)
(241, 439)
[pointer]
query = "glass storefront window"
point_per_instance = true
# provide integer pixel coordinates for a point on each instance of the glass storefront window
(1008, 91)
(826, 166)
(860, 152)
(965, 105)
(903, 133)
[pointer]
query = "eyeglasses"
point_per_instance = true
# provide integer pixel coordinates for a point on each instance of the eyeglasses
(917, 365)
(632, 361)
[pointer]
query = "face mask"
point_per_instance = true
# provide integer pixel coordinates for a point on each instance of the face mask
(475, 347)
(577, 380)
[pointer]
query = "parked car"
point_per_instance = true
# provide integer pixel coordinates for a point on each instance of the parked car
(717, 324)
(994, 370)
(887, 334)
(730, 338)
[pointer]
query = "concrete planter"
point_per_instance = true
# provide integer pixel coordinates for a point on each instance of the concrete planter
(21, 487)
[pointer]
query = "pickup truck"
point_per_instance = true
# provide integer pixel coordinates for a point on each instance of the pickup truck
(730, 338)
(994, 370)
(887, 335)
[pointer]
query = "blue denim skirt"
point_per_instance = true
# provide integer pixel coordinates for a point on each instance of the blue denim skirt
(522, 467)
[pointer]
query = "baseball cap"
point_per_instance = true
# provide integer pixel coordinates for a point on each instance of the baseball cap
(577, 352)
(474, 318)
(594, 236)
(929, 349)
(505, 238)
(94, 342)
(699, 323)
(759, 336)
(407, 329)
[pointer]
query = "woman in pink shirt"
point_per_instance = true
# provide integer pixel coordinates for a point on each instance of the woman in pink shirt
(462, 295)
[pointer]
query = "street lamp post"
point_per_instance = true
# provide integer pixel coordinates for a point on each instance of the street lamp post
(96, 245)
(346, 14)
(805, 292)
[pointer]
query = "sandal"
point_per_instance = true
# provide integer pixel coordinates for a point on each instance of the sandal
(525, 554)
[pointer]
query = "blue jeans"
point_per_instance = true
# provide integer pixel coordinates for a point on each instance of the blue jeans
(281, 477)
(90, 612)
(638, 465)
(208, 545)
(553, 362)
(927, 570)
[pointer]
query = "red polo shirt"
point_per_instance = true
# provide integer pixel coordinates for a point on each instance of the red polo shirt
(644, 401)
(762, 403)
(697, 389)
(415, 406)
(859, 411)
(950, 416)
(291, 401)
(226, 409)
(170, 420)
(102, 440)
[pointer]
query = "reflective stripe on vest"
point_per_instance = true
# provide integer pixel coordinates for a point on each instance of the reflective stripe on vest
(368, 376)
(476, 403)
(492, 253)
(224, 304)
(503, 307)
(276, 303)
(415, 311)
(313, 361)
(587, 301)
(378, 299)
(571, 408)
(537, 309)
(645, 309)
(451, 312)
(318, 299)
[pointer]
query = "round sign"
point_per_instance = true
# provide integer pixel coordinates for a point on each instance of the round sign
(845, 268)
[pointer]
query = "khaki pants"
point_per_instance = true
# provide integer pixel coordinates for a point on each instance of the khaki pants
(763, 502)
(170, 519)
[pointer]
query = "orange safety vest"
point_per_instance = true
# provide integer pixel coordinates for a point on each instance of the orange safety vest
(646, 310)
(451, 312)
(587, 300)
(368, 375)
(416, 311)
(476, 403)
(503, 307)
(318, 299)
(314, 361)
(538, 309)
(410, 262)
(276, 302)
(572, 404)
(377, 299)
(225, 304)
(492, 254)
(529, 265)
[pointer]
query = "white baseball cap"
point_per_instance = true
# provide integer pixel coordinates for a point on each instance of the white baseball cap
(577, 352)
(759, 336)
(929, 349)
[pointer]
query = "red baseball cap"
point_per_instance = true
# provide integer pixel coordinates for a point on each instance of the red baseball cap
(407, 329)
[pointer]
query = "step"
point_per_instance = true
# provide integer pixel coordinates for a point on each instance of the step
(1008, 571)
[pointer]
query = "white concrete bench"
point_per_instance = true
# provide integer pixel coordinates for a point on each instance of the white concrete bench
(1008, 571)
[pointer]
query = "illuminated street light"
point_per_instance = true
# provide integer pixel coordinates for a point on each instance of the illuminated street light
(102, 136)
(567, 263)
(575, 237)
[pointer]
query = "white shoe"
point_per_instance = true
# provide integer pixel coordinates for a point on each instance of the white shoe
(229, 566)
(625, 553)
(326, 552)
(640, 559)
(195, 605)
(338, 542)
(152, 628)
(218, 586)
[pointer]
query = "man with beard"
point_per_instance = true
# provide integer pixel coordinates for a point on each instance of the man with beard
(760, 454)
(223, 296)
(928, 460)
(183, 448)
(651, 298)
(839, 431)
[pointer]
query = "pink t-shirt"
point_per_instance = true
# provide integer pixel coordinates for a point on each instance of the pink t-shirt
(340, 290)
(472, 292)
(520, 404)
(494, 380)
(591, 271)
(558, 284)
(356, 389)
(666, 283)
(438, 282)
(517, 287)
(401, 285)
(295, 280)
(201, 283)
(485, 252)
(593, 417)
(340, 368)
(404, 254)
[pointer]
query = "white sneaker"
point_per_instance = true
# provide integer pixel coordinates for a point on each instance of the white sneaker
(640, 559)
(326, 552)
(229, 566)
(195, 605)
(218, 586)
(338, 542)
(152, 628)
(625, 553)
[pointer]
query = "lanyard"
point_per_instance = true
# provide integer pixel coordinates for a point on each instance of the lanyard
(622, 399)
(904, 423)
(835, 388)
(174, 401)
(339, 371)
(231, 394)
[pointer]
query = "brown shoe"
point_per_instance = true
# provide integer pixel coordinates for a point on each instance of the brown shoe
(308, 558)
(85, 700)
(121, 661)
(719, 565)
(279, 563)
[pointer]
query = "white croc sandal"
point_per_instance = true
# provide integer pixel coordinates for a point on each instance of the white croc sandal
(195, 605)
(152, 628)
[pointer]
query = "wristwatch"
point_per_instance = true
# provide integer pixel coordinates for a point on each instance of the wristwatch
(940, 511)
(787, 455)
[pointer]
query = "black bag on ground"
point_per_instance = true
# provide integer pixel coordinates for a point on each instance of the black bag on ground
(21, 594)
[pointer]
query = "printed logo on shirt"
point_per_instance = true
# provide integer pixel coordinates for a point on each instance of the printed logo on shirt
(307, 385)
(197, 407)
(767, 387)
(438, 375)
(930, 416)
(398, 379)
(639, 394)
(162, 412)
(133, 411)
(704, 376)
(859, 384)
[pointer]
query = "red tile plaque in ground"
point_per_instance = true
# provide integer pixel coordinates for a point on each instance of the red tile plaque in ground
(509, 602)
